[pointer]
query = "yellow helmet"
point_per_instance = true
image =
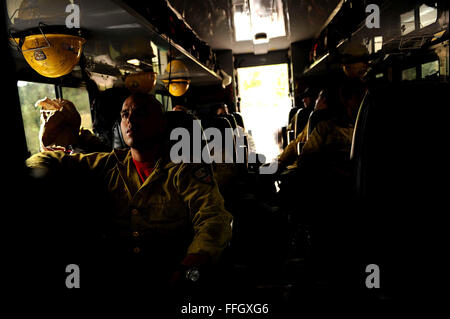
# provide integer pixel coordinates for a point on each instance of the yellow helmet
(176, 78)
(142, 82)
(177, 87)
(176, 69)
(52, 55)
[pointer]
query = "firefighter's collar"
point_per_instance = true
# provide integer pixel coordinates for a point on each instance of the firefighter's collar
(123, 157)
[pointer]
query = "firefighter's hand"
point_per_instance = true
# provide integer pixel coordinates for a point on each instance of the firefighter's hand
(192, 262)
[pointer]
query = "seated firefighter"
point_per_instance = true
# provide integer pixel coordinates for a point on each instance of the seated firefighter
(322, 175)
(324, 162)
(166, 219)
(334, 136)
(290, 153)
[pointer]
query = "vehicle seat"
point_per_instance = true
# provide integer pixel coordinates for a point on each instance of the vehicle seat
(231, 119)
(292, 113)
(177, 119)
(399, 150)
(288, 132)
(117, 137)
(106, 112)
(222, 123)
(301, 119)
(239, 119)
(317, 116)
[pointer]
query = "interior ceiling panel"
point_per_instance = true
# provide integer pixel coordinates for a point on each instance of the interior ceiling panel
(109, 24)
(108, 28)
(213, 22)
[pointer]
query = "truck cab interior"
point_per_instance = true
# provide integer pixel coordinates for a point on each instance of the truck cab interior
(301, 243)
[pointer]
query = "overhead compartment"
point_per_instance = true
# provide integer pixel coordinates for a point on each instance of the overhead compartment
(109, 27)
(172, 34)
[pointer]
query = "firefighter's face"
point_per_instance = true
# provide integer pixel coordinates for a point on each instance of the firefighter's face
(222, 110)
(142, 121)
(307, 101)
(321, 102)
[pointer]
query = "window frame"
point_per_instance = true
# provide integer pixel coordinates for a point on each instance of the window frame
(417, 20)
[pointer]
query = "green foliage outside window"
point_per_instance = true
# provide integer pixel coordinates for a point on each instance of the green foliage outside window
(80, 98)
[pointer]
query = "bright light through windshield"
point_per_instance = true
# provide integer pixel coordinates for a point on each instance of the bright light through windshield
(265, 105)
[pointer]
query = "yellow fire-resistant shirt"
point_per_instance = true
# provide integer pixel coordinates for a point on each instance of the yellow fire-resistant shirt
(290, 154)
(330, 136)
(178, 207)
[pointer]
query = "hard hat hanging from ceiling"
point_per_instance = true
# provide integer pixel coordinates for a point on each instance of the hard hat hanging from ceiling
(142, 82)
(51, 55)
(176, 78)
(177, 87)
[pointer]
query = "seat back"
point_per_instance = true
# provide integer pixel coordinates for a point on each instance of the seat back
(239, 119)
(106, 112)
(117, 137)
(301, 119)
(317, 116)
(397, 137)
(223, 124)
(288, 133)
(292, 113)
(186, 121)
(231, 119)
(399, 150)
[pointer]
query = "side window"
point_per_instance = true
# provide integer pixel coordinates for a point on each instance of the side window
(409, 74)
(428, 15)
(80, 98)
(29, 93)
(378, 43)
(430, 69)
(407, 22)
(165, 100)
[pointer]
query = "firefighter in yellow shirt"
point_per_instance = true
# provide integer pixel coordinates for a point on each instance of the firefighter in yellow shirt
(170, 214)
(290, 153)
(334, 136)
